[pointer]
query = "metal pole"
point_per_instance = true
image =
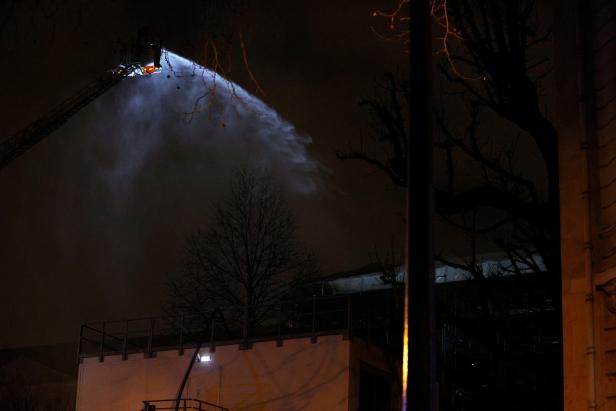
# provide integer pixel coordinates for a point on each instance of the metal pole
(419, 365)
(212, 328)
(125, 341)
(193, 360)
(101, 355)
(313, 337)
(150, 345)
(349, 332)
(80, 345)
(181, 349)
(279, 340)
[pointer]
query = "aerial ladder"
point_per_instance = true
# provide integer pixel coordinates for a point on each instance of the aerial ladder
(142, 59)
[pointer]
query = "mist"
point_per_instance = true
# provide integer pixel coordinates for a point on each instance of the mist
(166, 145)
(129, 177)
(188, 106)
(94, 218)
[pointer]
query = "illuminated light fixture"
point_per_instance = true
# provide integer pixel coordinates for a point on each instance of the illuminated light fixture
(149, 69)
(204, 358)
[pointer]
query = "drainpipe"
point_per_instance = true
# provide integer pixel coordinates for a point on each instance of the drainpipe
(588, 145)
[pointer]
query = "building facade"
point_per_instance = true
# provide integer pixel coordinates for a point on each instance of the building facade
(585, 80)
(320, 354)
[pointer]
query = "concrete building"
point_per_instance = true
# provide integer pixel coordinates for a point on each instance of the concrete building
(38, 378)
(327, 367)
(585, 76)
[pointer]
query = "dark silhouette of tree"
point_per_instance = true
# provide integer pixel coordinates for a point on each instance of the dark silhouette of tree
(486, 47)
(247, 260)
(487, 58)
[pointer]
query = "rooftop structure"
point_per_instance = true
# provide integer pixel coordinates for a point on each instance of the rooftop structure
(313, 361)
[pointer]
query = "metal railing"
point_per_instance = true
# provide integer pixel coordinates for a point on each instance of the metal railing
(186, 404)
(305, 318)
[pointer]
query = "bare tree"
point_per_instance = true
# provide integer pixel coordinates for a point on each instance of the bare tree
(247, 260)
(515, 217)
(487, 48)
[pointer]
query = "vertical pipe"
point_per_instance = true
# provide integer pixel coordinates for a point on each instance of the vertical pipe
(419, 365)
(80, 344)
(150, 345)
(125, 341)
(212, 343)
(369, 330)
(279, 340)
(588, 145)
(349, 317)
(101, 354)
(313, 337)
(181, 344)
(219, 385)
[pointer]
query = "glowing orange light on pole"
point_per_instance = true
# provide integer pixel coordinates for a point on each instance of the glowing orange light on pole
(420, 341)
(405, 348)
(410, 24)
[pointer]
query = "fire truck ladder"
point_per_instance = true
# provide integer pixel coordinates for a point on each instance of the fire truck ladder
(21, 142)
(143, 59)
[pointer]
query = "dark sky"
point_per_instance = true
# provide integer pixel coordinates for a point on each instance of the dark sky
(83, 239)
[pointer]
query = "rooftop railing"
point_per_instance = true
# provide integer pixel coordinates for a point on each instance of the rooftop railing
(346, 315)
(186, 404)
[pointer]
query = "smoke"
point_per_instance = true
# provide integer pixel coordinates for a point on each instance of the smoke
(142, 165)
(94, 217)
(189, 108)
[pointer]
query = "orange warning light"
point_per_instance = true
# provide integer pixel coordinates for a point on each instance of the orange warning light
(148, 69)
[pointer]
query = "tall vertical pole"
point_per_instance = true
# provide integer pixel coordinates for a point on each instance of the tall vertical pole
(419, 364)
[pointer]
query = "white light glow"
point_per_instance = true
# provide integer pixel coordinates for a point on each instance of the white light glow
(194, 110)
(405, 346)
(205, 358)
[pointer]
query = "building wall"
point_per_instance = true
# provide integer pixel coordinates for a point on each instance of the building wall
(572, 210)
(299, 375)
(585, 75)
(606, 355)
(365, 354)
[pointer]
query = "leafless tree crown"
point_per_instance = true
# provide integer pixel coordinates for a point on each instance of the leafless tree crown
(247, 259)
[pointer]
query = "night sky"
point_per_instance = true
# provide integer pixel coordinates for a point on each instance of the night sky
(93, 219)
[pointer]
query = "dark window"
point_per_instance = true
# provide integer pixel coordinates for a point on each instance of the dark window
(374, 390)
